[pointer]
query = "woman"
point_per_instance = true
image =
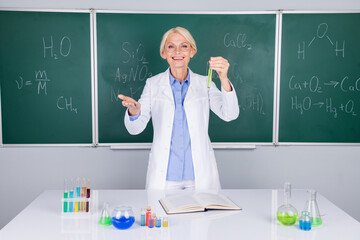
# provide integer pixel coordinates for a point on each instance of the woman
(179, 101)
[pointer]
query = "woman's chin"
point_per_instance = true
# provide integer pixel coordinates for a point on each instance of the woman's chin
(178, 65)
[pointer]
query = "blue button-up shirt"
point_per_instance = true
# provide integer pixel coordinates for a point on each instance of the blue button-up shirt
(180, 166)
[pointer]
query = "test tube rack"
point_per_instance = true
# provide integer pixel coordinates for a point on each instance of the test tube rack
(76, 206)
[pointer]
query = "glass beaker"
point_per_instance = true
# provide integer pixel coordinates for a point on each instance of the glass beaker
(287, 213)
(305, 221)
(312, 207)
(122, 217)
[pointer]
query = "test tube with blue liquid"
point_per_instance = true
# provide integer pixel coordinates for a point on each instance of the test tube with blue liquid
(71, 195)
(158, 222)
(143, 217)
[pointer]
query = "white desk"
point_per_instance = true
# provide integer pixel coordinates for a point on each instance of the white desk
(42, 219)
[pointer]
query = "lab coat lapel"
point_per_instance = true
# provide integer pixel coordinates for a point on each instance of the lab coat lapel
(164, 85)
(191, 90)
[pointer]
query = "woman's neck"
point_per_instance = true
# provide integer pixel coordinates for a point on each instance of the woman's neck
(179, 73)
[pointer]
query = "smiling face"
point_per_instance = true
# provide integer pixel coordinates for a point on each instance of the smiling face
(177, 51)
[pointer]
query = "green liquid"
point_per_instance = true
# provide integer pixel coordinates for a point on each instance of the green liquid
(105, 221)
(65, 207)
(286, 219)
(65, 203)
(316, 222)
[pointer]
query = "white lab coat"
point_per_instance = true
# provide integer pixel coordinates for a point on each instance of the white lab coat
(157, 102)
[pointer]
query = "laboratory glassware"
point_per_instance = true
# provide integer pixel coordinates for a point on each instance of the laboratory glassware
(312, 207)
(122, 217)
(287, 213)
(105, 218)
(305, 221)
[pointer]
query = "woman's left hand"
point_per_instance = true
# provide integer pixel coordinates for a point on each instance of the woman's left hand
(221, 66)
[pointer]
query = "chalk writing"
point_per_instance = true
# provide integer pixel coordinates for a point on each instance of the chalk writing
(238, 41)
(133, 68)
(321, 33)
(40, 78)
(133, 92)
(307, 103)
(131, 54)
(134, 65)
(139, 73)
(314, 84)
(64, 47)
(66, 103)
(254, 102)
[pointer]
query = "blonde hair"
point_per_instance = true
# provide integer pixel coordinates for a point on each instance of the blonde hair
(187, 35)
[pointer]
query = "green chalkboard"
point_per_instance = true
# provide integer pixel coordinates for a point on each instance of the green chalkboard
(128, 53)
(45, 77)
(320, 78)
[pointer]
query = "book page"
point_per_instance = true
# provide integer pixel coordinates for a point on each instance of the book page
(215, 200)
(179, 202)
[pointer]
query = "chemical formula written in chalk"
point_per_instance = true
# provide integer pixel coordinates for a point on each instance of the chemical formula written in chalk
(134, 65)
(66, 103)
(322, 36)
(41, 79)
(316, 88)
(134, 68)
(61, 48)
(237, 41)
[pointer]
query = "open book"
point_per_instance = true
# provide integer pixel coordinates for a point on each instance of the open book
(196, 202)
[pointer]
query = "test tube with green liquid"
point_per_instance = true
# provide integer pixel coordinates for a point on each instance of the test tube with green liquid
(66, 195)
(209, 77)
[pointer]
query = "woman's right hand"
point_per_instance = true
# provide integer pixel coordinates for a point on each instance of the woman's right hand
(133, 106)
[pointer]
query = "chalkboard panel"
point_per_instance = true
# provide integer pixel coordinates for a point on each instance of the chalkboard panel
(45, 77)
(128, 53)
(320, 78)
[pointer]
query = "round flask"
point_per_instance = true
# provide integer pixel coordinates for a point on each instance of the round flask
(287, 213)
(122, 217)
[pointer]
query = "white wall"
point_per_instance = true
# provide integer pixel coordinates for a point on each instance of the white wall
(188, 5)
(333, 171)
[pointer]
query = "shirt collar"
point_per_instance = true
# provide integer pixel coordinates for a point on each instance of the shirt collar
(173, 80)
